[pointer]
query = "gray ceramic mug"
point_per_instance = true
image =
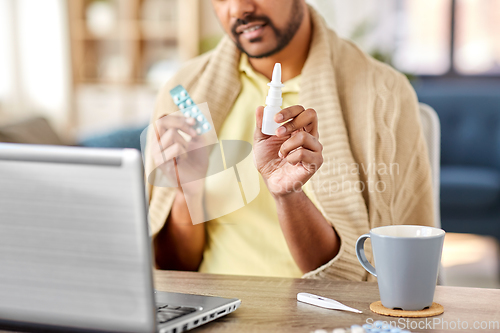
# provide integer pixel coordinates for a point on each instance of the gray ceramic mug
(407, 259)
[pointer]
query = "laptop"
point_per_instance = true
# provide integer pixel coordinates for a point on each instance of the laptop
(75, 248)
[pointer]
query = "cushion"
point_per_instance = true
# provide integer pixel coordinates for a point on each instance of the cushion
(122, 138)
(469, 114)
(466, 186)
(36, 130)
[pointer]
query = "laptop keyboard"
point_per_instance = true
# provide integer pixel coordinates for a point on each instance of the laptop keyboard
(169, 312)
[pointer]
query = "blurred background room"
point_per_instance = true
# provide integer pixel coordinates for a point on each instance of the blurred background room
(86, 72)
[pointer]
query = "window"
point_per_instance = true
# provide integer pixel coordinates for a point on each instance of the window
(34, 59)
(448, 37)
(422, 36)
(477, 37)
(5, 51)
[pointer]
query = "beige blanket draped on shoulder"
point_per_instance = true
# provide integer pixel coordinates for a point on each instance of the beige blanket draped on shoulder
(376, 170)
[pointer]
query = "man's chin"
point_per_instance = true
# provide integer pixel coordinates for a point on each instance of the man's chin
(258, 52)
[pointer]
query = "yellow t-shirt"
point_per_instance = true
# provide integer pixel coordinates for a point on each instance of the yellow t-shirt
(249, 241)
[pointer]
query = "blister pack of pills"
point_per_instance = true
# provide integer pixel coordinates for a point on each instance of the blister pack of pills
(376, 327)
(189, 109)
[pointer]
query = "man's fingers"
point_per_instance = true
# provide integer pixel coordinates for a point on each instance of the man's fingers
(306, 119)
(172, 136)
(167, 139)
(288, 113)
(259, 114)
(175, 121)
(174, 151)
(167, 159)
(312, 160)
(301, 140)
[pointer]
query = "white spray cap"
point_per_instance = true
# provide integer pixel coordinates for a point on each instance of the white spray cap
(276, 80)
(274, 95)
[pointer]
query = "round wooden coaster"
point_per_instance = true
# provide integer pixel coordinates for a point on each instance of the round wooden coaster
(434, 310)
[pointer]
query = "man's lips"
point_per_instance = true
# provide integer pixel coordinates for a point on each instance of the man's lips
(243, 29)
(251, 31)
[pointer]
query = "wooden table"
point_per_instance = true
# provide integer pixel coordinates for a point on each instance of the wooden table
(270, 304)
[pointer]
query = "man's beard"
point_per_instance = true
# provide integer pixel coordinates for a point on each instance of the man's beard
(282, 37)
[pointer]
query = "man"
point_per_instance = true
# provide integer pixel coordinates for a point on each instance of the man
(343, 109)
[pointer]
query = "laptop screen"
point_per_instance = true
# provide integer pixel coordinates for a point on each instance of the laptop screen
(74, 247)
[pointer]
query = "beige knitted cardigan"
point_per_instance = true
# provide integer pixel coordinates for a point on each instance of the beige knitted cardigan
(368, 117)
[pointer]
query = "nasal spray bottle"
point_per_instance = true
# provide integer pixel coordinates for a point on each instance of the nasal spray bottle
(273, 102)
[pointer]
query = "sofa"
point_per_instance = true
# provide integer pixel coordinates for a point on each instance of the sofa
(469, 113)
(128, 137)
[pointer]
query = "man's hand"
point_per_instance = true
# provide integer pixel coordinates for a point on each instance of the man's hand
(286, 162)
(179, 244)
(171, 152)
(289, 159)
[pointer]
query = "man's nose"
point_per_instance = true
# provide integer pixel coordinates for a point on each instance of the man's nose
(239, 9)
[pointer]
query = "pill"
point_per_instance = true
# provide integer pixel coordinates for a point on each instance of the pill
(357, 329)
(194, 109)
(187, 114)
(378, 323)
(395, 330)
(189, 102)
(339, 330)
(182, 106)
(367, 326)
(198, 130)
(205, 126)
(176, 99)
(199, 118)
(183, 94)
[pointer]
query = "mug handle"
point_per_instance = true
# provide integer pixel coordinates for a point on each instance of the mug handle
(360, 253)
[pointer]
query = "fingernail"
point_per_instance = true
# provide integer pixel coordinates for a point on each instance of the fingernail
(279, 117)
(281, 130)
(280, 154)
(191, 121)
